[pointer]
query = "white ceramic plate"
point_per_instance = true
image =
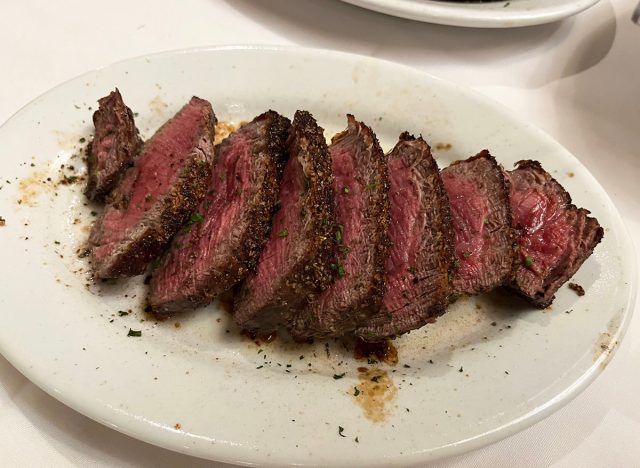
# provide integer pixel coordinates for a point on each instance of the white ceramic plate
(487, 369)
(497, 14)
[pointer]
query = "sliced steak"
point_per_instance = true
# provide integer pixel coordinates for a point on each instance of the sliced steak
(362, 211)
(294, 266)
(416, 280)
(156, 195)
(484, 236)
(115, 145)
(555, 237)
(229, 228)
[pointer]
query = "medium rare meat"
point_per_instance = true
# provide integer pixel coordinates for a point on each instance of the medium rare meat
(484, 237)
(156, 195)
(416, 280)
(555, 237)
(115, 145)
(294, 266)
(226, 233)
(362, 211)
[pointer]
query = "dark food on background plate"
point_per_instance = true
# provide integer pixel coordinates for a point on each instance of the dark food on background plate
(115, 145)
(484, 236)
(360, 243)
(555, 237)
(421, 256)
(295, 265)
(156, 195)
(224, 236)
(361, 237)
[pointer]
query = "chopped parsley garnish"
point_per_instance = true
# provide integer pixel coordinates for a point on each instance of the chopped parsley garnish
(134, 332)
(375, 378)
(196, 218)
(345, 189)
(528, 261)
(283, 233)
(338, 376)
(372, 185)
(344, 249)
(340, 431)
(412, 270)
(456, 263)
(338, 236)
(466, 254)
(356, 391)
(339, 268)
(122, 313)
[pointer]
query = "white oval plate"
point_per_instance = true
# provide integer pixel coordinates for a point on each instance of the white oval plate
(488, 368)
(498, 14)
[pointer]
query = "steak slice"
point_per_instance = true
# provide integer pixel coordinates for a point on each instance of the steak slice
(481, 214)
(294, 266)
(416, 279)
(157, 194)
(223, 241)
(362, 208)
(555, 237)
(115, 145)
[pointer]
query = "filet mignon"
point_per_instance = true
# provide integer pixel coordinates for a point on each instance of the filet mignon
(156, 196)
(362, 210)
(295, 264)
(416, 279)
(484, 237)
(229, 228)
(555, 237)
(115, 145)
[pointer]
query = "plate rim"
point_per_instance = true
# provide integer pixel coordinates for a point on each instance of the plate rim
(440, 13)
(229, 454)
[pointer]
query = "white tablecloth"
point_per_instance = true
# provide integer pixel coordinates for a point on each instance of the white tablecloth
(579, 80)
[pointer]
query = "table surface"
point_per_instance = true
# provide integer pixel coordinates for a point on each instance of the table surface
(579, 80)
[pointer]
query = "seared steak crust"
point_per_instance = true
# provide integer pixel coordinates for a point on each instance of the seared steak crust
(555, 237)
(114, 146)
(420, 259)
(222, 244)
(156, 195)
(484, 236)
(362, 211)
(295, 265)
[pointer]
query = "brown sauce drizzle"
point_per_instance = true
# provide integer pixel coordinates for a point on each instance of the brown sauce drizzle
(373, 393)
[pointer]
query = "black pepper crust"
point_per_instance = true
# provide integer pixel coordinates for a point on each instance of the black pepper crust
(152, 233)
(312, 274)
(270, 151)
(378, 211)
(115, 119)
(556, 278)
(316, 275)
(266, 199)
(368, 288)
